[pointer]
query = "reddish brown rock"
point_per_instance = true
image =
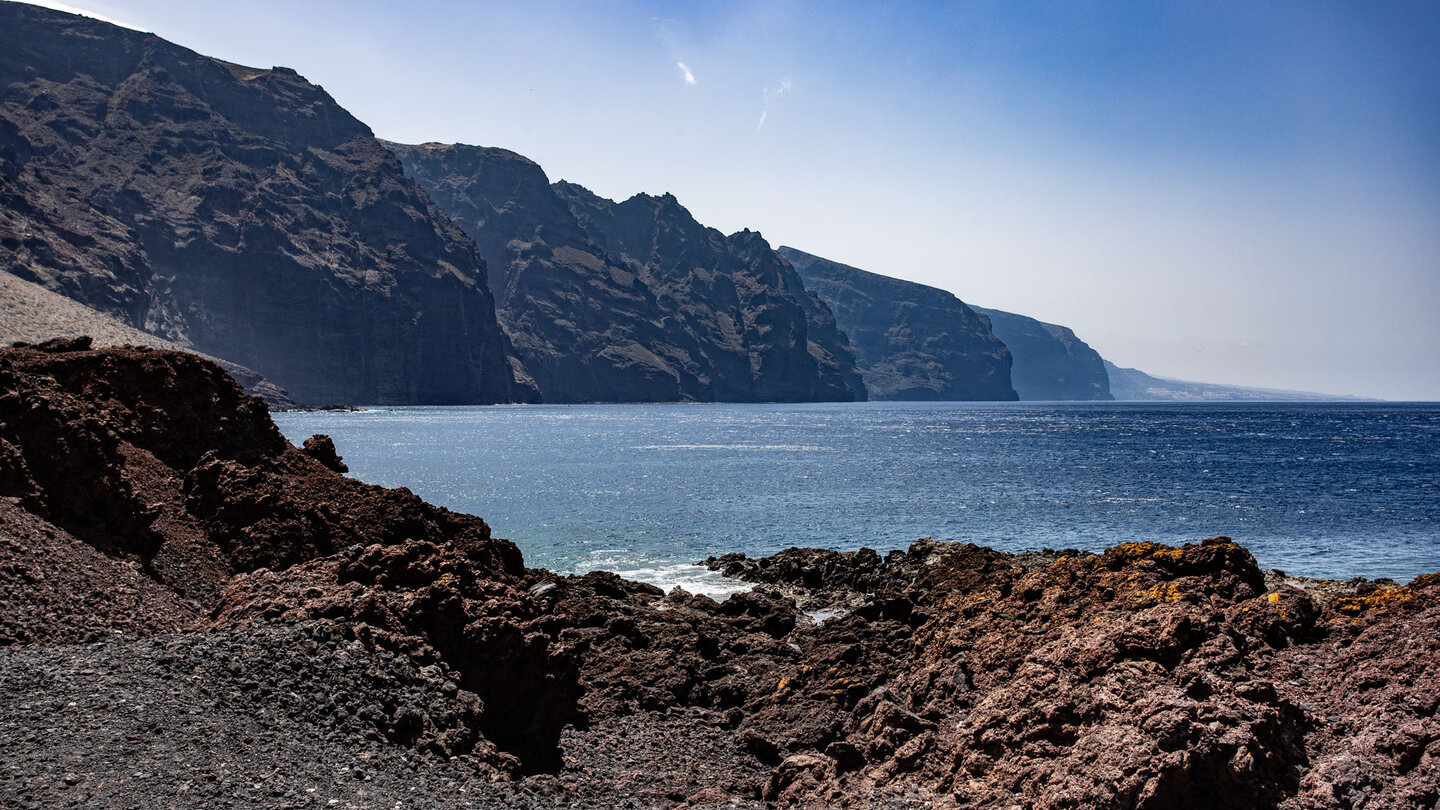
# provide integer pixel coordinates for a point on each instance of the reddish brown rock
(1371, 692)
(1148, 676)
(322, 448)
(145, 494)
(167, 485)
(55, 589)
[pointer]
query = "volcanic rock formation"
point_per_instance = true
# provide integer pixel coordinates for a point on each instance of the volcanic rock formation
(634, 301)
(145, 481)
(271, 632)
(30, 313)
(237, 211)
(1145, 677)
(1051, 363)
(911, 341)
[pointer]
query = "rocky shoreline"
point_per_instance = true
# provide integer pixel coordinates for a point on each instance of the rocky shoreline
(195, 613)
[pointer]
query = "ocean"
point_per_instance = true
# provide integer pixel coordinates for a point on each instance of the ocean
(1331, 490)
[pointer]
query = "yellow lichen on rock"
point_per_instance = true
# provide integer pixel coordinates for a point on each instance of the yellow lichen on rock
(1162, 592)
(1355, 605)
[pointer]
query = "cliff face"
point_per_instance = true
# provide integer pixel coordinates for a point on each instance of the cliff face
(237, 211)
(773, 341)
(634, 301)
(911, 341)
(1051, 363)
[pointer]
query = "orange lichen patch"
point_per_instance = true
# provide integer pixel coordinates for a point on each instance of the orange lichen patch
(1134, 552)
(1058, 575)
(846, 687)
(1355, 605)
(1425, 581)
(1150, 549)
(784, 684)
(1163, 592)
(1274, 598)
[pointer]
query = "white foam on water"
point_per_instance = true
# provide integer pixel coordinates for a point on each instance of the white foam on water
(784, 448)
(693, 578)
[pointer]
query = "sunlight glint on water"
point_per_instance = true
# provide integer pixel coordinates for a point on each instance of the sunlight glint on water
(646, 490)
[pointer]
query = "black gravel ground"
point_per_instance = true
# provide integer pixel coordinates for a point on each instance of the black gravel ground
(301, 716)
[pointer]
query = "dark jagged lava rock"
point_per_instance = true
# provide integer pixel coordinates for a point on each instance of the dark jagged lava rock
(158, 474)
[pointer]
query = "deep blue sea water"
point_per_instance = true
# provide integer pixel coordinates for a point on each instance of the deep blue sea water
(1324, 490)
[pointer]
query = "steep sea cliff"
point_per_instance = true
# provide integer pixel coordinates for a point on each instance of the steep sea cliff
(242, 213)
(1051, 363)
(912, 342)
(237, 211)
(634, 301)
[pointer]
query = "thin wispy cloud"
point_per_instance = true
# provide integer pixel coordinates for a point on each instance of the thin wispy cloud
(770, 94)
(689, 74)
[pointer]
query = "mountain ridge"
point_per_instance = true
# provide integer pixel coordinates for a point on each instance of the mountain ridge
(635, 300)
(1130, 384)
(238, 211)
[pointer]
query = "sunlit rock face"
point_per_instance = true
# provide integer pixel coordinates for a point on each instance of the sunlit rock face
(238, 211)
(634, 301)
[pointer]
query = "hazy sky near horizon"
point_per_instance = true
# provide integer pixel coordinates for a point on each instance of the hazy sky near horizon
(1234, 192)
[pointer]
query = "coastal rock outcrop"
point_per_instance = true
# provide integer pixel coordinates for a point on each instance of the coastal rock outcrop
(1147, 676)
(1135, 385)
(146, 493)
(32, 314)
(634, 301)
(912, 342)
(237, 211)
(1051, 363)
(194, 610)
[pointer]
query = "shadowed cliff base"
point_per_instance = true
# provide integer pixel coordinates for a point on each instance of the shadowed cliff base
(199, 614)
(32, 314)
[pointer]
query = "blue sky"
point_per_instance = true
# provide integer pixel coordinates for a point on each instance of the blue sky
(1234, 192)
